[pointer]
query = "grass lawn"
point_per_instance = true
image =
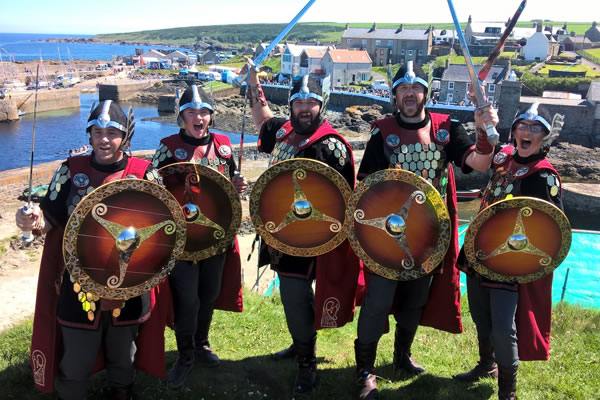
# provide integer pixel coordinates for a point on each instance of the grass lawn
(244, 342)
(575, 68)
(594, 52)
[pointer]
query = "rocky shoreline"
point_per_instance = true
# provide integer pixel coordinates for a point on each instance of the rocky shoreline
(575, 163)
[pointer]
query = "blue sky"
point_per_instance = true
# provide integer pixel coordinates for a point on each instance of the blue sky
(110, 16)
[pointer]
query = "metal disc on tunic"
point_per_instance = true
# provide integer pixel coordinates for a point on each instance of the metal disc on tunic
(520, 239)
(123, 239)
(298, 207)
(398, 224)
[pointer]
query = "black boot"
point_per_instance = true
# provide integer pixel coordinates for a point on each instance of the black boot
(125, 393)
(366, 382)
(288, 352)
(184, 363)
(402, 359)
(507, 383)
(486, 366)
(306, 377)
(204, 355)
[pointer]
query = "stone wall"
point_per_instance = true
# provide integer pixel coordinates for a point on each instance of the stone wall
(122, 91)
(8, 111)
(580, 125)
(47, 100)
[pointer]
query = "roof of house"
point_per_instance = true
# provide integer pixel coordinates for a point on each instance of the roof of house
(385, 33)
(593, 93)
(296, 50)
(459, 73)
(315, 53)
(516, 34)
(153, 52)
(577, 39)
(349, 56)
(177, 53)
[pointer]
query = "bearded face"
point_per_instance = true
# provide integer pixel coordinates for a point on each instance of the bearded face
(410, 99)
(305, 115)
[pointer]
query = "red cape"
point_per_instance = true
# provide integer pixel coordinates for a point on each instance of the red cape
(339, 287)
(534, 319)
(46, 341)
(231, 298)
(442, 310)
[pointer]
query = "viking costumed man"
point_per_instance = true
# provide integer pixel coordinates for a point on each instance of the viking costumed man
(62, 320)
(197, 286)
(434, 299)
(307, 134)
(513, 320)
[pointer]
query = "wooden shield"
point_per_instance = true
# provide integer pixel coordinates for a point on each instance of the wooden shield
(398, 224)
(298, 207)
(123, 239)
(520, 239)
(210, 204)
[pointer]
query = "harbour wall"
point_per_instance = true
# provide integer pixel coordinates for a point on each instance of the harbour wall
(47, 100)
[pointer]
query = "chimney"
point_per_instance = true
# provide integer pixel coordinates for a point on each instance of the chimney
(565, 27)
(469, 20)
(373, 27)
(347, 25)
(573, 34)
(448, 61)
(538, 27)
(594, 24)
(400, 27)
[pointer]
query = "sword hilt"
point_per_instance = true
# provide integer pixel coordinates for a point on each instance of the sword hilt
(27, 236)
(492, 134)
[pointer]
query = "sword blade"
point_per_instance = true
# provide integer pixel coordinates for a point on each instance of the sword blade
(500, 45)
(284, 32)
(257, 62)
(492, 135)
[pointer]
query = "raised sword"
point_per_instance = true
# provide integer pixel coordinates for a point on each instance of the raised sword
(480, 99)
(500, 45)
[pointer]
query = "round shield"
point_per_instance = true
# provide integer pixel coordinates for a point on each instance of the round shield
(520, 239)
(123, 239)
(399, 225)
(211, 207)
(298, 207)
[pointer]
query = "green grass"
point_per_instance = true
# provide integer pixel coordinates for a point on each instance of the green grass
(147, 71)
(244, 342)
(594, 52)
(244, 34)
(590, 72)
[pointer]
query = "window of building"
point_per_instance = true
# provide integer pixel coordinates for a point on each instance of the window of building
(287, 58)
(364, 42)
(390, 43)
(402, 52)
(420, 52)
(450, 97)
(349, 41)
(450, 85)
(491, 99)
(377, 42)
(491, 88)
(382, 51)
(410, 53)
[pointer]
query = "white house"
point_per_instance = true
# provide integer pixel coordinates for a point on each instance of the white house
(290, 58)
(178, 57)
(154, 56)
(539, 46)
(347, 66)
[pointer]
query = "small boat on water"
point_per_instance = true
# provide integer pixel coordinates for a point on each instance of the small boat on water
(466, 195)
(79, 151)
